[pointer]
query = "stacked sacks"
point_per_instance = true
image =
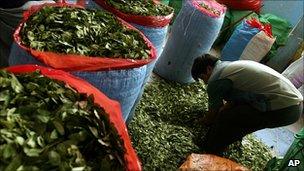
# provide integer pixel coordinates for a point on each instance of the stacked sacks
(192, 34)
(250, 41)
(66, 116)
(118, 72)
(154, 27)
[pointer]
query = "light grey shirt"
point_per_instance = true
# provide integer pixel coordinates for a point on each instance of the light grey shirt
(253, 83)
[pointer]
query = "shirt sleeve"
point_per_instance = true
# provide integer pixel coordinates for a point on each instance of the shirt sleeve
(217, 90)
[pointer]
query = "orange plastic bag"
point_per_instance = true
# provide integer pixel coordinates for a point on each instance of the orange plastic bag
(207, 162)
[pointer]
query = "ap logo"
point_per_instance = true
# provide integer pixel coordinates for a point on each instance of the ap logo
(293, 163)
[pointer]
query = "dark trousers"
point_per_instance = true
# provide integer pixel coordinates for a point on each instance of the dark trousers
(234, 123)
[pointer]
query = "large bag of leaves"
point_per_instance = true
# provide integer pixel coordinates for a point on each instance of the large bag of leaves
(251, 40)
(192, 34)
(210, 162)
(150, 17)
(233, 18)
(293, 159)
(10, 16)
(51, 120)
(254, 5)
(92, 44)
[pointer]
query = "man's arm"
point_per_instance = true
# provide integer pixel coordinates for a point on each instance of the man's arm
(216, 90)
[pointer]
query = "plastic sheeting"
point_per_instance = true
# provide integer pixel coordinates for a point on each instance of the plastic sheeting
(111, 107)
(192, 34)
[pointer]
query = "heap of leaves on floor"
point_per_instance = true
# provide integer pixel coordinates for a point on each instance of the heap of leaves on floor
(46, 125)
(165, 128)
(141, 7)
(84, 32)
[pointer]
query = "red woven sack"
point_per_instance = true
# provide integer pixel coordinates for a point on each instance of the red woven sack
(150, 21)
(74, 62)
(111, 107)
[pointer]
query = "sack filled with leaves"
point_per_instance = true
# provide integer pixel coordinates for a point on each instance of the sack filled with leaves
(70, 31)
(251, 40)
(50, 120)
(152, 18)
(193, 33)
(142, 12)
(91, 44)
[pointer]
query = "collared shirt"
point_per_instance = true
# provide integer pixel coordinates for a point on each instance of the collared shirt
(252, 83)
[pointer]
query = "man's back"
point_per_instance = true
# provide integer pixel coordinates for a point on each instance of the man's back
(255, 79)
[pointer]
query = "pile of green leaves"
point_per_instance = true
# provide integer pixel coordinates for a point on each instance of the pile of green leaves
(251, 153)
(166, 129)
(46, 125)
(84, 32)
(141, 7)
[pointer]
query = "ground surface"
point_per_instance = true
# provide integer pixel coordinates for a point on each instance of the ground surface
(164, 130)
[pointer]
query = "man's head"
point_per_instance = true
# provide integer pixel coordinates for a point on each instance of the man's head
(203, 67)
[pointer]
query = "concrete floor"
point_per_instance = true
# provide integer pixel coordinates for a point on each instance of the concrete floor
(280, 139)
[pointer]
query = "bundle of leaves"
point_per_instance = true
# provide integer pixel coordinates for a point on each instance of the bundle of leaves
(84, 32)
(141, 7)
(166, 128)
(47, 125)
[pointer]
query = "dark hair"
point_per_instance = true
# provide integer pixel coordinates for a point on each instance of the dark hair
(200, 65)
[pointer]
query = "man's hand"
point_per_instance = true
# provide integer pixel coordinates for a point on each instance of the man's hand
(209, 118)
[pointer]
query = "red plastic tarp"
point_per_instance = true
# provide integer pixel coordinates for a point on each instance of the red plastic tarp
(72, 62)
(255, 23)
(254, 5)
(111, 107)
(150, 21)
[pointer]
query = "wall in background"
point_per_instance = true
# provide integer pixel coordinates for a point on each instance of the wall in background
(293, 12)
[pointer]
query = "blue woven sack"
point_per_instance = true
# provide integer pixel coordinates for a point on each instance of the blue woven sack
(192, 34)
(248, 42)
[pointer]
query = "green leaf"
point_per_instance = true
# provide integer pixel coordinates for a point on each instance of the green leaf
(59, 126)
(8, 151)
(32, 152)
(14, 164)
(20, 140)
(16, 85)
(54, 158)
